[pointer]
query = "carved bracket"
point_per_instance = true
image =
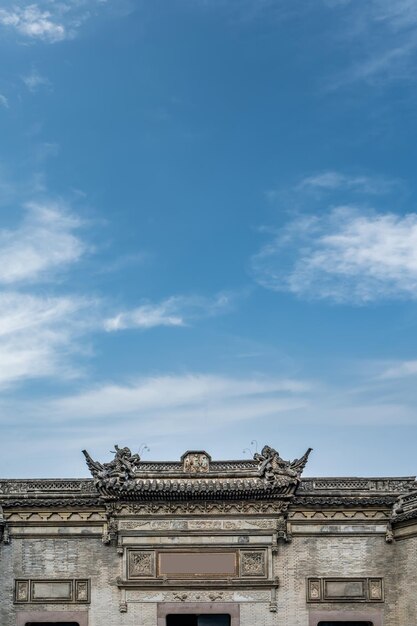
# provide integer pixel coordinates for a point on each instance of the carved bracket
(110, 530)
(4, 529)
(283, 530)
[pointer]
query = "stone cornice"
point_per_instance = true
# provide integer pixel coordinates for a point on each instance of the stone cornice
(316, 492)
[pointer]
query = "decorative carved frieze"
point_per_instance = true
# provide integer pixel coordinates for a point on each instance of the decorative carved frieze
(53, 516)
(198, 508)
(340, 514)
(376, 485)
(345, 590)
(320, 501)
(213, 524)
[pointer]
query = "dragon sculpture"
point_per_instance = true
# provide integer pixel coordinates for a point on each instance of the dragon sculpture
(117, 472)
(275, 471)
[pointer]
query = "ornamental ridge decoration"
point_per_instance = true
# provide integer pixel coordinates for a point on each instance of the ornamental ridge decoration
(268, 477)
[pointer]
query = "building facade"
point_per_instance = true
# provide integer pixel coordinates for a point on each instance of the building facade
(208, 543)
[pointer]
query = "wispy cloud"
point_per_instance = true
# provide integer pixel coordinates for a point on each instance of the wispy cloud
(385, 40)
(48, 21)
(345, 256)
(34, 80)
(183, 402)
(174, 311)
(38, 335)
(4, 101)
(38, 332)
(34, 22)
(338, 181)
(401, 369)
(44, 242)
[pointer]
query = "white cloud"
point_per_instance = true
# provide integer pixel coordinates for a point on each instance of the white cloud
(332, 181)
(381, 36)
(37, 335)
(180, 403)
(34, 81)
(345, 256)
(3, 101)
(34, 22)
(402, 369)
(174, 311)
(53, 21)
(44, 242)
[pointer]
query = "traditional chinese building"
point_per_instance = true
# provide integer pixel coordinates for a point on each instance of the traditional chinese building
(208, 543)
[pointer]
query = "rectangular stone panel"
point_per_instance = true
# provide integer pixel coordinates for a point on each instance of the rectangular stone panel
(345, 589)
(197, 564)
(334, 589)
(51, 590)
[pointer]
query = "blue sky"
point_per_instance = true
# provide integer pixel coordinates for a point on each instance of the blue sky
(208, 231)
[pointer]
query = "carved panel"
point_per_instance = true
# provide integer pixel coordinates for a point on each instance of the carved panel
(345, 590)
(196, 462)
(61, 591)
(22, 591)
(141, 564)
(253, 563)
(201, 563)
(195, 563)
(44, 591)
(376, 591)
(82, 590)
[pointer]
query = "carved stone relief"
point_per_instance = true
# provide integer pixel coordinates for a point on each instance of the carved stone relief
(141, 563)
(196, 462)
(345, 590)
(253, 563)
(53, 591)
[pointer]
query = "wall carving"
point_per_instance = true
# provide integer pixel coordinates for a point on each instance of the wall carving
(345, 590)
(340, 514)
(397, 485)
(253, 563)
(197, 508)
(196, 462)
(53, 591)
(193, 524)
(320, 501)
(141, 563)
(55, 516)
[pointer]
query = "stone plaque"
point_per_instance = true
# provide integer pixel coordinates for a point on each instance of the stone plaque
(334, 589)
(196, 462)
(200, 563)
(345, 590)
(51, 590)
